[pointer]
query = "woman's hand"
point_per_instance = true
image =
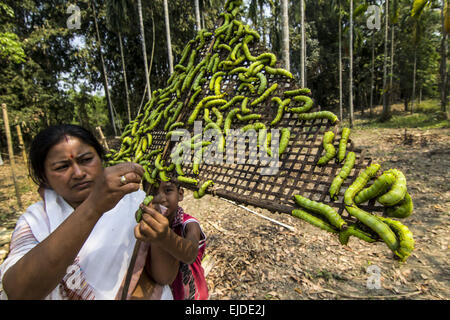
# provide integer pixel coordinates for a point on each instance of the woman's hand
(154, 227)
(108, 189)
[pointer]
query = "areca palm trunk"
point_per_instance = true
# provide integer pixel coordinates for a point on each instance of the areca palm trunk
(340, 64)
(144, 50)
(285, 33)
(105, 76)
(302, 64)
(443, 66)
(351, 66)
(169, 42)
(125, 77)
(197, 14)
(372, 73)
(386, 107)
(414, 80)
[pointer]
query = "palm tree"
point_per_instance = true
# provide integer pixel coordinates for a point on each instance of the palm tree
(105, 76)
(256, 14)
(417, 9)
(303, 45)
(386, 113)
(197, 15)
(169, 42)
(144, 49)
(117, 20)
(351, 66)
(285, 33)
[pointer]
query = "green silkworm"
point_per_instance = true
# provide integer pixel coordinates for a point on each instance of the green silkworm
(248, 85)
(238, 70)
(379, 186)
(251, 68)
(266, 94)
(375, 224)
(352, 230)
(284, 140)
(343, 144)
(279, 71)
(330, 151)
(176, 125)
(215, 65)
(211, 62)
(198, 78)
(229, 119)
(243, 78)
(197, 160)
(187, 180)
(215, 127)
(397, 191)
(194, 96)
(307, 104)
(313, 220)
(296, 92)
(318, 115)
(235, 50)
(199, 106)
(403, 209)
(405, 238)
(244, 108)
(163, 176)
(247, 53)
(202, 190)
(254, 126)
(262, 82)
(234, 100)
(185, 53)
(145, 202)
(343, 174)
(191, 59)
(248, 117)
(217, 85)
(179, 169)
(281, 106)
(328, 212)
(269, 56)
(359, 183)
(224, 46)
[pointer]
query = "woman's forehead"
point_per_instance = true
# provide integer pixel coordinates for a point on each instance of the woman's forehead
(68, 147)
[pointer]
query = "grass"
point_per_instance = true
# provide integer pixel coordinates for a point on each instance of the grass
(427, 115)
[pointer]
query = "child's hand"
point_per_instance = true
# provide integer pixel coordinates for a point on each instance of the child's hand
(154, 227)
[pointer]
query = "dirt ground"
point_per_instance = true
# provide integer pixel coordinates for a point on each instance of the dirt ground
(253, 258)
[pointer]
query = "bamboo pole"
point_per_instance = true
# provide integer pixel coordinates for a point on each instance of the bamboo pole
(22, 145)
(11, 153)
(102, 138)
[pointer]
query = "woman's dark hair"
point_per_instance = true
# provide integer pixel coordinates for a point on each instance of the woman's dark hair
(51, 136)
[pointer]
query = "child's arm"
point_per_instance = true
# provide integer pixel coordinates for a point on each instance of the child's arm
(167, 248)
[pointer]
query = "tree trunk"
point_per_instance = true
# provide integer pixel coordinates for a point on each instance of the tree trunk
(391, 73)
(351, 67)
(261, 19)
(302, 55)
(340, 64)
(169, 42)
(127, 95)
(197, 15)
(285, 33)
(105, 76)
(372, 72)
(443, 67)
(144, 50)
(414, 81)
(386, 114)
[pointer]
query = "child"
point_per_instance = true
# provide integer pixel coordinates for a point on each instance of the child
(176, 241)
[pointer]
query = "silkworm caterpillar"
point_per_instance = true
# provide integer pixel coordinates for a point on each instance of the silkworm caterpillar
(197, 159)
(402, 209)
(296, 92)
(281, 106)
(175, 125)
(279, 71)
(330, 151)
(307, 104)
(238, 70)
(231, 102)
(379, 186)
(248, 85)
(318, 115)
(248, 117)
(269, 56)
(145, 202)
(352, 230)
(397, 191)
(215, 127)
(328, 212)
(217, 85)
(262, 82)
(244, 108)
(266, 93)
(191, 59)
(229, 119)
(359, 183)
(187, 180)
(375, 224)
(284, 140)
(405, 237)
(185, 53)
(202, 190)
(343, 144)
(343, 174)
(313, 220)
(243, 78)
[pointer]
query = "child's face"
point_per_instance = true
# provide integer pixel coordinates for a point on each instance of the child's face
(168, 195)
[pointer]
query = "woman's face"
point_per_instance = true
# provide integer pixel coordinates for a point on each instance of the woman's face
(71, 168)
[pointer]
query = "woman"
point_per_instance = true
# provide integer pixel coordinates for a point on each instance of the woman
(77, 243)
